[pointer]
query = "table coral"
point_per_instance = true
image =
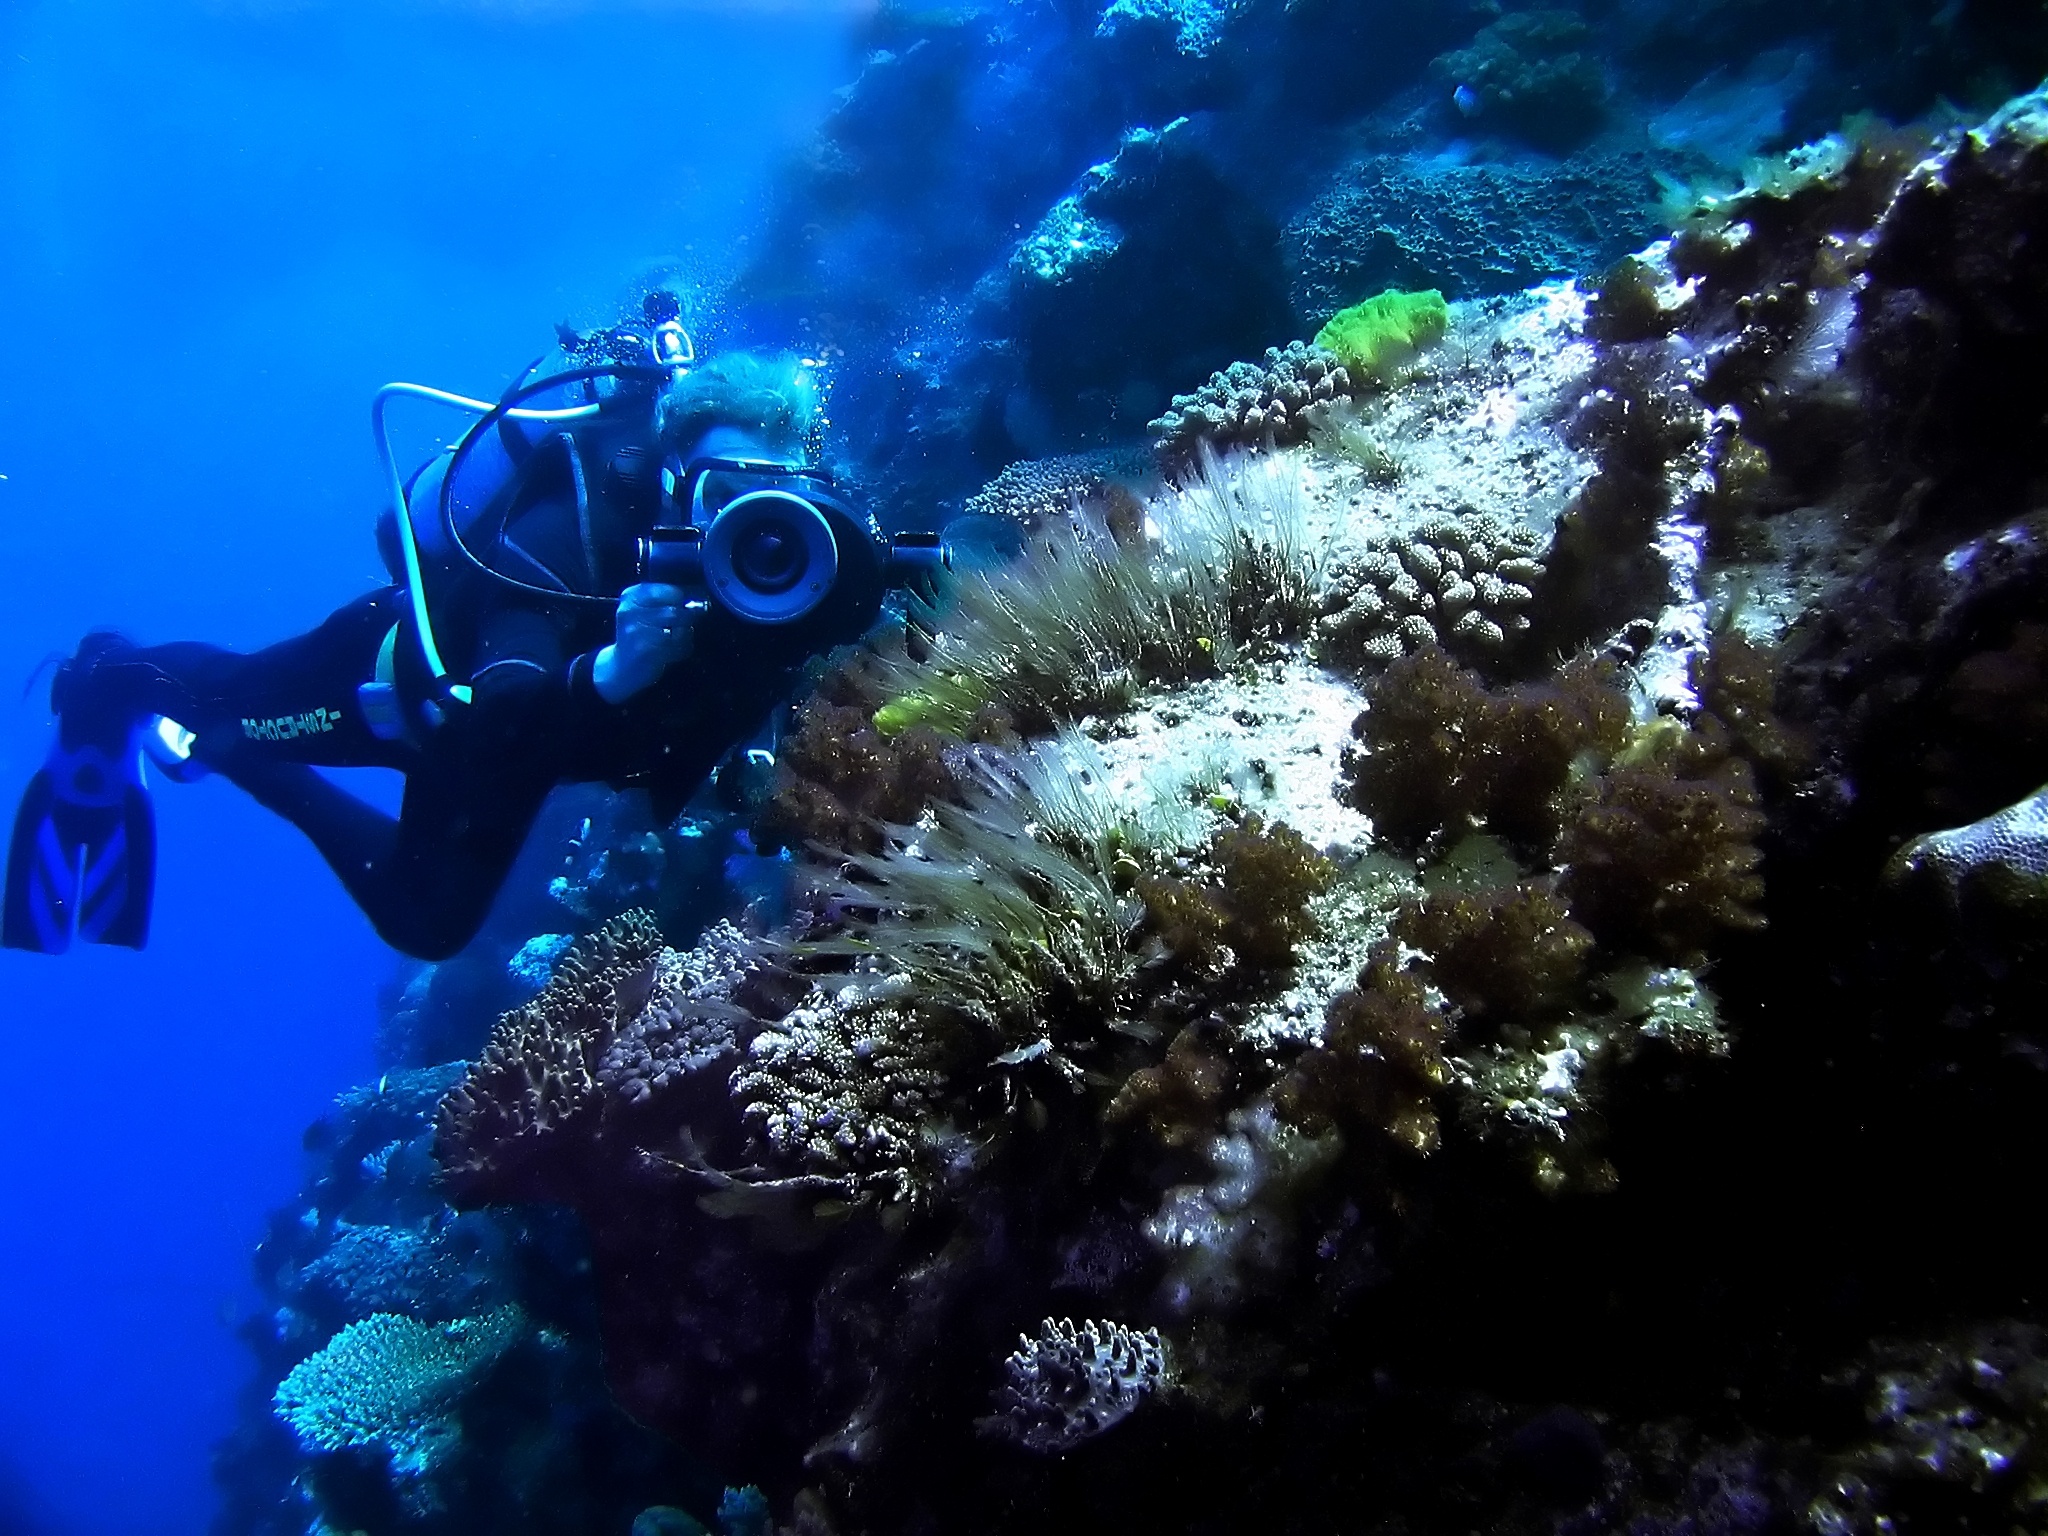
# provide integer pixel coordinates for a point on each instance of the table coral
(1033, 492)
(390, 1384)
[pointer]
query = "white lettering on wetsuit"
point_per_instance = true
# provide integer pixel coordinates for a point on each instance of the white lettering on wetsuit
(290, 727)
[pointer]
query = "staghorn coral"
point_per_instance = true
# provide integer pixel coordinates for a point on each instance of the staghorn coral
(1036, 492)
(1461, 583)
(1380, 1064)
(1440, 753)
(1251, 405)
(538, 1076)
(1660, 855)
(1075, 1381)
(391, 1384)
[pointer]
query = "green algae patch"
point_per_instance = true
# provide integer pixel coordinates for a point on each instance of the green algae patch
(1386, 331)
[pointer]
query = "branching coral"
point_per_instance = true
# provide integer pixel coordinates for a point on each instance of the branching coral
(1250, 405)
(846, 1085)
(539, 1073)
(389, 1384)
(1441, 753)
(1660, 854)
(1074, 1382)
(1461, 583)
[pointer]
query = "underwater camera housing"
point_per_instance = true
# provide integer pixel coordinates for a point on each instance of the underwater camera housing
(769, 542)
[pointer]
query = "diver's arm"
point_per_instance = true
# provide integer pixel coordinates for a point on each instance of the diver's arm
(652, 635)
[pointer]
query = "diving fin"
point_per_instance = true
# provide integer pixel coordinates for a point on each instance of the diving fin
(83, 858)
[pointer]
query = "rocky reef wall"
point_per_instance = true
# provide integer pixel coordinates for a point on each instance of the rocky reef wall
(1464, 955)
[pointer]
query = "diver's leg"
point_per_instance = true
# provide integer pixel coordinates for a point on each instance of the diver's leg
(426, 880)
(294, 701)
(82, 859)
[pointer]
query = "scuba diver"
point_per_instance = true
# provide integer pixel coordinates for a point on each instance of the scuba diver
(614, 575)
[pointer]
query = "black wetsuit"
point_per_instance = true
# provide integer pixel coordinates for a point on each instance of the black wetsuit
(267, 720)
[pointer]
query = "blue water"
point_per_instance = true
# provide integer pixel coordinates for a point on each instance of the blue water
(223, 223)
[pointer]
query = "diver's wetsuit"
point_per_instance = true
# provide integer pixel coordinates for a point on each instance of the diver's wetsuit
(268, 719)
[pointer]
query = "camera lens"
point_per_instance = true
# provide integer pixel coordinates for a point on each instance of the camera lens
(769, 557)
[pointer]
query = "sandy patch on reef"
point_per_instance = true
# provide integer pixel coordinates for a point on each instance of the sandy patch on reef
(1474, 426)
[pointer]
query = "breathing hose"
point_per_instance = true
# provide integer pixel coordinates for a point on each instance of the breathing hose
(415, 585)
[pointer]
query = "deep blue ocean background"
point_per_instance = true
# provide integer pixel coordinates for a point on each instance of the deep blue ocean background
(221, 227)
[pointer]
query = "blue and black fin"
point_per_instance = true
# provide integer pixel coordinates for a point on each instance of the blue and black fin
(83, 858)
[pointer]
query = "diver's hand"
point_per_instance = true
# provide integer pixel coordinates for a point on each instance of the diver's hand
(652, 635)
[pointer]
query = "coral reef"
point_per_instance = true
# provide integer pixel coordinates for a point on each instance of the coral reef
(1383, 1043)
(390, 1384)
(1440, 753)
(1462, 584)
(1072, 1382)
(2004, 856)
(1273, 402)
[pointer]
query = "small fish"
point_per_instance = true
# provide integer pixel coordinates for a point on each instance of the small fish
(1469, 101)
